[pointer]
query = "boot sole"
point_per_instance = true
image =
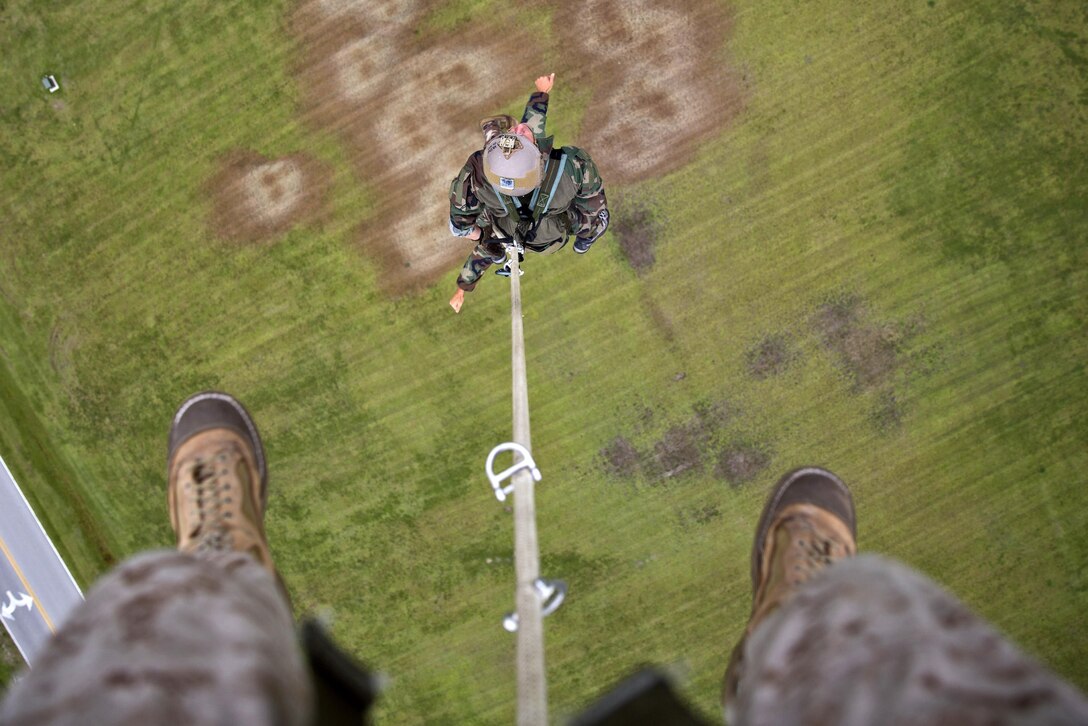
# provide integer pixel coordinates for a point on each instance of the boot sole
(824, 490)
(212, 410)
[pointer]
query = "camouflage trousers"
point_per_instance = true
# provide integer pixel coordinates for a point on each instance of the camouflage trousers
(871, 641)
(171, 638)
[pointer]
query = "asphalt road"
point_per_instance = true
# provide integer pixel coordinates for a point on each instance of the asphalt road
(37, 592)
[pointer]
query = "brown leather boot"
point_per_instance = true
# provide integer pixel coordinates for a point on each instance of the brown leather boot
(496, 125)
(807, 523)
(218, 481)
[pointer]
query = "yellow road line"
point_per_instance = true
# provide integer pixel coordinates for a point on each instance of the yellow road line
(26, 586)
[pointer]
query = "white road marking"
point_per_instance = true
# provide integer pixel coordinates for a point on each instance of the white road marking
(8, 611)
(38, 522)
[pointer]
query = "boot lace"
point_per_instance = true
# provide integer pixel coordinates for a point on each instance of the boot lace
(812, 551)
(209, 494)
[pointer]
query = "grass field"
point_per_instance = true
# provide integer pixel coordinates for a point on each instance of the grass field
(868, 252)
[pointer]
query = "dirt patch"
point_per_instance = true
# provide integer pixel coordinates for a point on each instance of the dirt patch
(873, 355)
(62, 344)
(662, 323)
(645, 417)
(408, 132)
(676, 453)
(709, 419)
(887, 414)
(406, 108)
(770, 357)
(697, 515)
(636, 235)
(663, 65)
(741, 463)
(868, 352)
(256, 199)
(621, 458)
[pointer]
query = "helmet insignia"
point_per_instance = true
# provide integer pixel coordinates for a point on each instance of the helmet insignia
(508, 144)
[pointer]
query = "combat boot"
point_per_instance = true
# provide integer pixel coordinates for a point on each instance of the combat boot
(217, 479)
(807, 523)
(581, 246)
(505, 271)
(496, 125)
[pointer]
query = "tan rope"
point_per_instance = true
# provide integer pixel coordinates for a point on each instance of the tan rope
(532, 686)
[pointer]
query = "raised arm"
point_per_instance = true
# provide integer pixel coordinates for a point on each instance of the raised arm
(536, 111)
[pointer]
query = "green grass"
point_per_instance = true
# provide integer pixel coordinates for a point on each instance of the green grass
(927, 159)
(10, 660)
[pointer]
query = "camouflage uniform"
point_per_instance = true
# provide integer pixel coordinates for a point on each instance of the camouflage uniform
(871, 641)
(171, 638)
(577, 205)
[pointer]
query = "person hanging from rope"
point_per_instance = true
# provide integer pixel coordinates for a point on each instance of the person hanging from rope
(519, 187)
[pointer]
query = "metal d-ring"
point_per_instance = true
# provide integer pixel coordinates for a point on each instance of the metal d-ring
(526, 462)
(552, 593)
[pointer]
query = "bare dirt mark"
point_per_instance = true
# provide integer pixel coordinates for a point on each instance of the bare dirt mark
(691, 517)
(621, 458)
(62, 344)
(661, 322)
(770, 357)
(637, 236)
(680, 449)
(741, 463)
(406, 108)
(409, 131)
(887, 414)
(874, 355)
(676, 453)
(709, 419)
(661, 84)
(867, 352)
(645, 417)
(256, 199)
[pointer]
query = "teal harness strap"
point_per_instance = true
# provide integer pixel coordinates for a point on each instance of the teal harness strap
(553, 173)
(502, 198)
(538, 204)
(536, 192)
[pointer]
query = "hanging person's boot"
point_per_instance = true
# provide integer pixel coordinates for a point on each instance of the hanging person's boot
(504, 271)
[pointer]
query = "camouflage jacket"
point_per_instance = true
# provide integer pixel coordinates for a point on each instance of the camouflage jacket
(576, 205)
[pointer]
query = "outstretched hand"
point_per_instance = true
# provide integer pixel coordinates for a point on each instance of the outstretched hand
(457, 300)
(544, 83)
